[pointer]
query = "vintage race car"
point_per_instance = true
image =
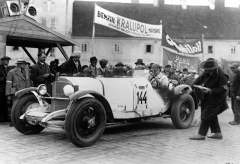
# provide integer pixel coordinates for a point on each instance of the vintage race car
(84, 106)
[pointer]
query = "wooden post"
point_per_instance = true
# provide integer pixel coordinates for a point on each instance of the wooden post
(29, 55)
(62, 51)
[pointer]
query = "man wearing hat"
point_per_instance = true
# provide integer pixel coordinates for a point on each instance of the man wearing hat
(213, 99)
(41, 73)
(139, 65)
(91, 71)
(235, 94)
(17, 79)
(156, 77)
(4, 69)
(119, 70)
(72, 67)
(103, 70)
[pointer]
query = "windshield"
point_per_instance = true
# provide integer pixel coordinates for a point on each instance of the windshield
(140, 73)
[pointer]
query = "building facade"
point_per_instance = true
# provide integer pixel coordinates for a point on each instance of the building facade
(75, 19)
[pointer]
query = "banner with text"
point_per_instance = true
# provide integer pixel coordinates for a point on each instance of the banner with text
(125, 25)
(195, 47)
(180, 61)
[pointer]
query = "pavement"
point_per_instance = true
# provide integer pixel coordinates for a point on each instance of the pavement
(154, 141)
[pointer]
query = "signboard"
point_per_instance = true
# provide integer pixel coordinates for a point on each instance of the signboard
(125, 25)
(180, 61)
(195, 47)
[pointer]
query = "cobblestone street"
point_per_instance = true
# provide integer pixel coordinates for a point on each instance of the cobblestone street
(153, 141)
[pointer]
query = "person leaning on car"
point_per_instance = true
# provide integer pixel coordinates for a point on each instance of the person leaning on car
(156, 77)
(235, 94)
(213, 101)
(4, 69)
(91, 71)
(72, 67)
(41, 73)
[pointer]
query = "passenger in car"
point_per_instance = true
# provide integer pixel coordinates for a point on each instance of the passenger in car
(72, 67)
(157, 78)
(119, 70)
(91, 71)
(103, 70)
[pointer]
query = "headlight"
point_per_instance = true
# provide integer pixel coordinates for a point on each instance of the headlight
(68, 90)
(42, 89)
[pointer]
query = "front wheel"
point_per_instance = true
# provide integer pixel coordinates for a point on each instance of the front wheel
(182, 111)
(85, 122)
(22, 105)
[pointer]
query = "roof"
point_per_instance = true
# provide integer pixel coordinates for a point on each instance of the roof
(222, 23)
(24, 31)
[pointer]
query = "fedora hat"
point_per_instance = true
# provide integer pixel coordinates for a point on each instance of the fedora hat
(93, 59)
(139, 62)
(5, 58)
(21, 61)
(209, 64)
(119, 64)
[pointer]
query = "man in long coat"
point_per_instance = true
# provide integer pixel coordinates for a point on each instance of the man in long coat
(4, 69)
(72, 67)
(41, 73)
(17, 79)
(213, 99)
(235, 94)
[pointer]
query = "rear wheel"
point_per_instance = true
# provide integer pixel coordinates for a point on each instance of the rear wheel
(22, 105)
(182, 111)
(85, 122)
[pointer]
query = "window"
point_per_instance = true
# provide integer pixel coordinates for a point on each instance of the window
(53, 23)
(49, 5)
(52, 52)
(149, 48)
(116, 48)
(15, 48)
(44, 21)
(53, 6)
(45, 6)
(232, 49)
(84, 47)
(210, 49)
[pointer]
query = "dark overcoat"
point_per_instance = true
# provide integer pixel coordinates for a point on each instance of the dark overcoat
(215, 102)
(107, 73)
(91, 72)
(235, 85)
(37, 76)
(3, 105)
(69, 67)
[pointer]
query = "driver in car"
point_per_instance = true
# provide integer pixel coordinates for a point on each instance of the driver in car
(157, 78)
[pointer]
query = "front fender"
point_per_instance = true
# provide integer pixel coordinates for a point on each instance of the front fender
(99, 97)
(25, 90)
(186, 88)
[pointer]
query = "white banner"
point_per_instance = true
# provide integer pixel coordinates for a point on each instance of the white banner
(125, 25)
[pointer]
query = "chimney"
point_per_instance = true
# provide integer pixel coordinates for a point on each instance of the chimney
(134, 1)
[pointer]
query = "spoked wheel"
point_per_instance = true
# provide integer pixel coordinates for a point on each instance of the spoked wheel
(182, 111)
(20, 107)
(85, 122)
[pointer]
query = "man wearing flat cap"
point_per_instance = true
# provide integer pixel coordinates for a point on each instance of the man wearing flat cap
(72, 67)
(213, 99)
(103, 70)
(17, 79)
(4, 69)
(92, 70)
(235, 94)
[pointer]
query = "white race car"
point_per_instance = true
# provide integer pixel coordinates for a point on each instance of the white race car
(84, 106)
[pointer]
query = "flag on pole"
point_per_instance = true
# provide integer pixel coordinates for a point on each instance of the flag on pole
(126, 25)
(194, 47)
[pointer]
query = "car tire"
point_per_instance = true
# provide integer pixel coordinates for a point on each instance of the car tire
(182, 111)
(85, 122)
(19, 108)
